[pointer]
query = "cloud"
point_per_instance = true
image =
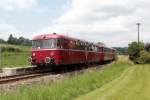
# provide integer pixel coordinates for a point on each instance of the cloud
(10, 5)
(6, 30)
(110, 21)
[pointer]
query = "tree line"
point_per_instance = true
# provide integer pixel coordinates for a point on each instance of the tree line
(17, 41)
(121, 50)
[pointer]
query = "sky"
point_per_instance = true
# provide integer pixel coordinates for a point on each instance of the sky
(112, 22)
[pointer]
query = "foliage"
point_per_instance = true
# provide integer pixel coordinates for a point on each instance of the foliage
(10, 49)
(70, 88)
(147, 47)
(134, 50)
(18, 41)
(2, 41)
(144, 57)
(14, 48)
(15, 55)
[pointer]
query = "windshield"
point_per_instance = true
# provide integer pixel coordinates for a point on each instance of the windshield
(44, 44)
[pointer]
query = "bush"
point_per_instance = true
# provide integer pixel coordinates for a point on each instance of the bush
(10, 49)
(134, 51)
(144, 57)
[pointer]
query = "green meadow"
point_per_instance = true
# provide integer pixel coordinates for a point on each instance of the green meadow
(14, 55)
(121, 80)
(72, 88)
(133, 84)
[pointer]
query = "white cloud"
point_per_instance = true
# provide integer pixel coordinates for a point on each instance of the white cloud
(9, 5)
(109, 21)
(6, 30)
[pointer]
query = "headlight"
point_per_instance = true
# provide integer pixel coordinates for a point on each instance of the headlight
(33, 54)
(47, 60)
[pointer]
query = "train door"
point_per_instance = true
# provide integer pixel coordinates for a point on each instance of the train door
(71, 56)
(86, 52)
(86, 55)
(102, 54)
(63, 52)
(67, 56)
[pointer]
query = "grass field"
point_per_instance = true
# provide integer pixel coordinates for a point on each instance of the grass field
(71, 88)
(133, 84)
(16, 58)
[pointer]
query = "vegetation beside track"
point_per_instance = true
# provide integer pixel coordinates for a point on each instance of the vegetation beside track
(15, 55)
(71, 88)
(133, 84)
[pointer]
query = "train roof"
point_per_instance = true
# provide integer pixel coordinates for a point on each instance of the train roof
(48, 36)
(57, 36)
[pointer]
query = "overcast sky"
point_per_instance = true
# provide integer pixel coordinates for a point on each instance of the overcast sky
(110, 21)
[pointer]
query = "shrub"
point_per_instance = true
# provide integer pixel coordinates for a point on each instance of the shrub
(144, 57)
(134, 51)
(10, 49)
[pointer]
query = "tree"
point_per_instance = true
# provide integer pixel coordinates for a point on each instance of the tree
(19, 41)
(10, 39)
(147, 47)
(2, 41)
(122, 50)
(134, 50)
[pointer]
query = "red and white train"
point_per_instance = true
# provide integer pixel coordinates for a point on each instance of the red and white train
(54, 49)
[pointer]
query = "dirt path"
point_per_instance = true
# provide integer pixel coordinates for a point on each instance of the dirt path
(133, 84)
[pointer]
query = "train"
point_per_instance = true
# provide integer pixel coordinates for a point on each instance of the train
(55, 49)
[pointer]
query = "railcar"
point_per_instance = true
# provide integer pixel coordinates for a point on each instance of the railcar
(54, 49)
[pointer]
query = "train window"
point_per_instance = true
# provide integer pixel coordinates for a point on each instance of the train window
(88, 46)
(60, 43)
(96, 48)
(44, 44)
(50, 44)
(70, 44)
(107, 50)
(81, 46)
(100, 49)
(36, 44)
(63, 44)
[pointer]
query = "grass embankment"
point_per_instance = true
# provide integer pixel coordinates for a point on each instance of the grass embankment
(14, 55)
(70, 88)
(133, 84)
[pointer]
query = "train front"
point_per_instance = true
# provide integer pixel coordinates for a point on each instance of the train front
(44, 51)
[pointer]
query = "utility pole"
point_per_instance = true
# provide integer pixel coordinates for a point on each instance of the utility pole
(138, 24)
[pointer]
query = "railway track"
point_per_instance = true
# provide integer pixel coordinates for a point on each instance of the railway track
(28, 75)
(39, 73)
(8, 79)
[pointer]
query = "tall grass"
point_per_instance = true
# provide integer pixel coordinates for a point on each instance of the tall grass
(71, 88)
(14, 55)
(15, 59)
(14, 48)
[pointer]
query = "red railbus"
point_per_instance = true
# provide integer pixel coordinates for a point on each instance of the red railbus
(54, 49)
